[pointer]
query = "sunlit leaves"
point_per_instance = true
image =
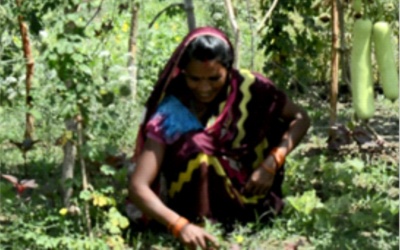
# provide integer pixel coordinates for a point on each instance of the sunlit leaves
(306, 203)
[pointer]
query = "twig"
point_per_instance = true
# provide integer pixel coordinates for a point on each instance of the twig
(30, 63)
(267, 15)
(132, 67)
(181, 5)
(11, 61)
(236, 29)
(94, 15)
(84, 175)
(373, 132)
(252, 35)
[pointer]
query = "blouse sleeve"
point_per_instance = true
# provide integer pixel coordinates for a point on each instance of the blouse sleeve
(268, 97)
(170, 121)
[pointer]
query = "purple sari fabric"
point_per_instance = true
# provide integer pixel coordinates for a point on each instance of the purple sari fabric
(206, 168)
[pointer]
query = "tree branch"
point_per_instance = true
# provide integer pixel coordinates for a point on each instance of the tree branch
(251, 24)
(95, 14)
(181, 5)
(30, 63)
(236, 29)
(267, 15)
(84, 173)
(334, 62)
(132, 67)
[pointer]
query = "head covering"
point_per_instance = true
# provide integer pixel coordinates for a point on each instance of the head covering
(170, 71)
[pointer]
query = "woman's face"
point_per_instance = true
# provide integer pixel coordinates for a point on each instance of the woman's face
(205, 79)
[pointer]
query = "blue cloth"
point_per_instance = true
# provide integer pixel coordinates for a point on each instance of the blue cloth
(176, 119)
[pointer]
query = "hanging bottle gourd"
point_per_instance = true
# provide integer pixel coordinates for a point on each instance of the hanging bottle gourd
(361, 70)
(357, 6)
(385, 57)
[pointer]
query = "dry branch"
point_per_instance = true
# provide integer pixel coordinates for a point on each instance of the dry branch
(84, 173)
(334, 63)
(30, 63)
(68, 164)
(235, 27)
(181, 5)
(95, 14)
(132, 67)
(251, 24)
(267, 15)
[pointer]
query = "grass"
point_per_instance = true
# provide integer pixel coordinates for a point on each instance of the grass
(334, 200)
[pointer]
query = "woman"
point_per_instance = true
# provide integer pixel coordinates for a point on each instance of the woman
(215, 139)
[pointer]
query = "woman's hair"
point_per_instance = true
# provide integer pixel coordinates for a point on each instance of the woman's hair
(205, 48)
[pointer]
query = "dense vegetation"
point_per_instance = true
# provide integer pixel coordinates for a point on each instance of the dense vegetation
(341, 198)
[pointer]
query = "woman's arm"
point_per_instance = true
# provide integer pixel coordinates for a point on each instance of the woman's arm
(299, 122)
(147, 168)
(262, 178)
(142, 195)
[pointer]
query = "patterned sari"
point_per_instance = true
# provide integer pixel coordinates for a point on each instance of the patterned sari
(205, 167)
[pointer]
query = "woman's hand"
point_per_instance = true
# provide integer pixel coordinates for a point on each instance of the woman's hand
(262, 178)
(194, 236)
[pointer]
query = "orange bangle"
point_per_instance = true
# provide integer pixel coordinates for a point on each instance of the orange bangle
(279, 157)
(177, 227)
(268, 169)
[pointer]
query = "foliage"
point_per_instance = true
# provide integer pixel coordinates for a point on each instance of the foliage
(297, 38)
(80, 51)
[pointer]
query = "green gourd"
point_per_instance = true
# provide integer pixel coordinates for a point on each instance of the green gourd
(361, 70)
(385, 53)
(357, 6)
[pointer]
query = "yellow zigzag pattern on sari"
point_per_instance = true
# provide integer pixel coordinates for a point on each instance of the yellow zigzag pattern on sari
(259, 150)
(245, 89)
(214, 162)
(221, 107)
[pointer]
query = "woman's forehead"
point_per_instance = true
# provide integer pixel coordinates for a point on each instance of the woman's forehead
(204, 68)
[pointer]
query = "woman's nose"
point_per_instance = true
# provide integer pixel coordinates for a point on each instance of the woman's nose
(204, 85)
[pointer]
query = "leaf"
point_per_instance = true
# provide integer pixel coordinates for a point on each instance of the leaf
(36, 113)
(107, 170)
(99, 200)
(306, 203)
(84, 68)
(123, 222)
(85, 195)
(356, 163)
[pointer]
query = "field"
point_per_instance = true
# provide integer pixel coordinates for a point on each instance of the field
(341, 192)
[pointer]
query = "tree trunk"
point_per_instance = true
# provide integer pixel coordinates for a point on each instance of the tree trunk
(334, 63)
(68, 164)
(132, 67)
(344, 52)
(190, 14)
(235, 27)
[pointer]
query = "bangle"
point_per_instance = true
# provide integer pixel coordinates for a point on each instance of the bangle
(279, 157)
(177, 227)
(268, 168)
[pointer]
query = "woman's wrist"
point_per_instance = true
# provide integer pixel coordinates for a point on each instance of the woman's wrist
(176, 227)
(279, 157)
(274, 161)
(269, 165)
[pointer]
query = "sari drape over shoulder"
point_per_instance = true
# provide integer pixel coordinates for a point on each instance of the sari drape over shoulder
(205, 167)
